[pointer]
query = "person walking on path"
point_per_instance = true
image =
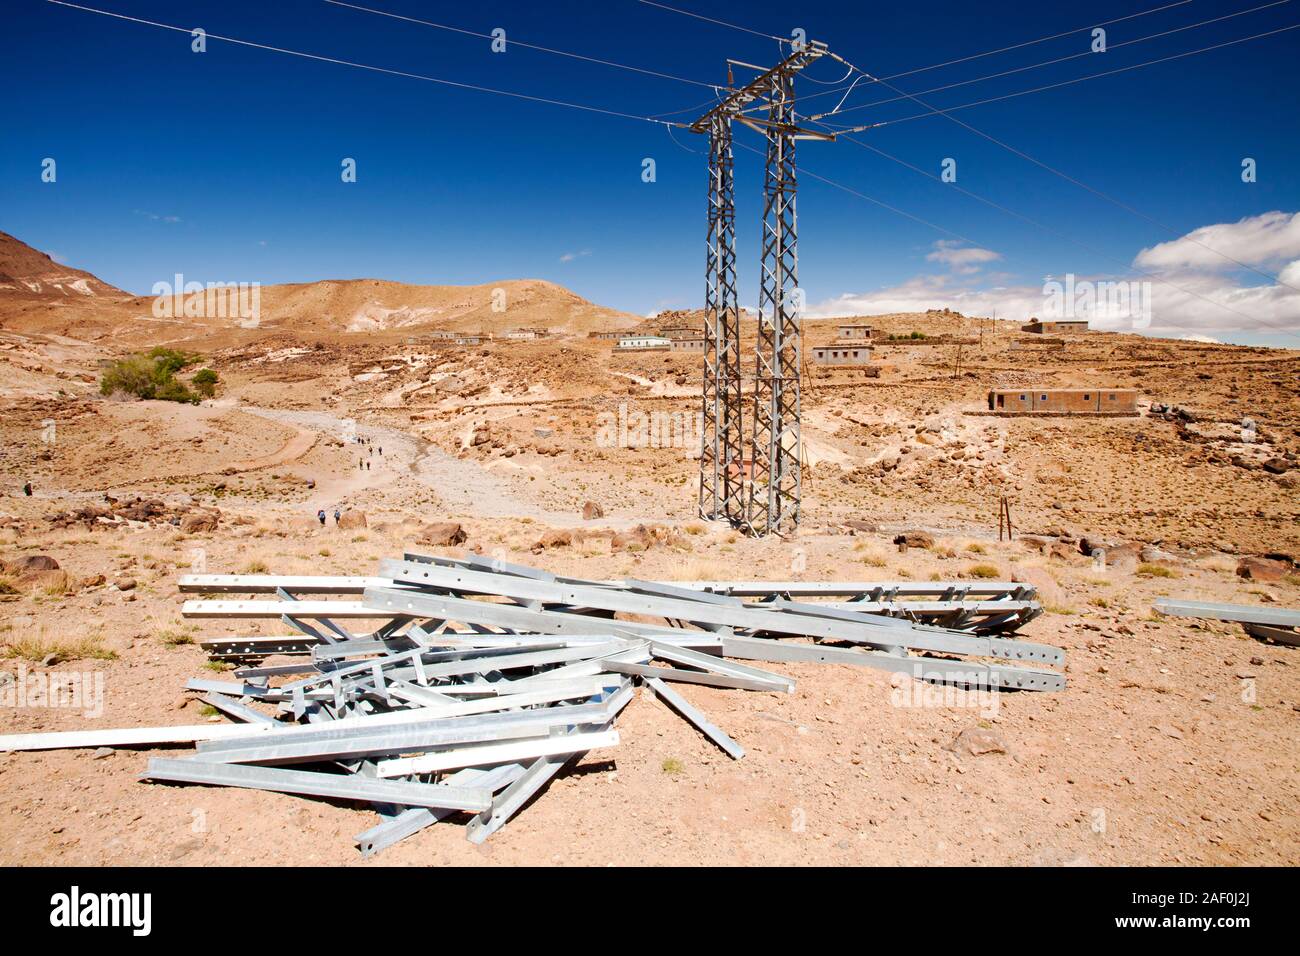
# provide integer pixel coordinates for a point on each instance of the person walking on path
(320, 516)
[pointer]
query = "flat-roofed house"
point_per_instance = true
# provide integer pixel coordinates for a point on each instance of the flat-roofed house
(841, 354)
(632, 343)
(1112, 401)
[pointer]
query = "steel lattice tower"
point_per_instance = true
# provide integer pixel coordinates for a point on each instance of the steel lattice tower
(720, 457)
(765, 498)
(773, 503)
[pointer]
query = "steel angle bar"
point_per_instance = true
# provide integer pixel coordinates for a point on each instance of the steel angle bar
(299, 610)
(502, 662)
(982, 647)
(128, 736)
(684, 707)
(376, 743)
(499, 566)
(706, 678)
(239, 710)
(534, 641)
(513, 797)
(718, 665)
(870, 629)
(337, 786)
(356, 725)
(361, 647)
(415, 819)
(490, 754)
(257, 646)
(513, 616)
(269, 583)
(420, 696)
(229, 688)
(664, 589)
(1267, 632)
(983, 589)
(1000, 606)
(1241, 613)
(569, 690)
(275, 670)
(961, 673)
(363, 736)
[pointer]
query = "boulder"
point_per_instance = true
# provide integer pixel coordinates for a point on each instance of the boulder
(196, 522)
(1277, 466)
(591, 511)
(352, 519)
(977, 741)
(34, 562)
(1262, 569)
(554, 539)
(442, 534)
(915, 539)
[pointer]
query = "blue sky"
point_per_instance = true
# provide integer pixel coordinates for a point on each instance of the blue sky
(225, 165)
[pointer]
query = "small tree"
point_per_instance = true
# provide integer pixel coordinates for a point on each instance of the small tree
(205, 382)
(150, 376)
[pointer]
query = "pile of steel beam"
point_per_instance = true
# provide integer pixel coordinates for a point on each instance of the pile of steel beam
(1278, 625)
(457, 688)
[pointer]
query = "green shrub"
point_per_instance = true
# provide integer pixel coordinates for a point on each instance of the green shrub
(205, 382)
(151, 375)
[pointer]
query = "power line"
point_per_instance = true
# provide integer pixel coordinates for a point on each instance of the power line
(935, 66)
(1061, 235)
(1068, 238)
(1090, 76)
(529, 46)
(1082, 185)
(721, 23)
(374, 69)
(1034, 66)
(1054, 36)
(871, 199)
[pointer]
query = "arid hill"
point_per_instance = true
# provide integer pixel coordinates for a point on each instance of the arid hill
(43, 297)
(30, 274)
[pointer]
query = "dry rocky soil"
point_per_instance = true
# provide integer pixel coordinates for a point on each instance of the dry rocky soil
(1174, 743)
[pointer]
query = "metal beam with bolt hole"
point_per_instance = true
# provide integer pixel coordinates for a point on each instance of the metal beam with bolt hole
(1239, 613)
(878, 631)
(485, 756)
(938, 670)
(684, 707)
(414, 819)
(308, 783)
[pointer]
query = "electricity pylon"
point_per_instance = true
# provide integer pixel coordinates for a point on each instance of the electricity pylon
(760, 497)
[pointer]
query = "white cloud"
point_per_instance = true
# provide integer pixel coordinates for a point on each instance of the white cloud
(964, 260)
(1272, 237)
(570, 256)
(1189, 292)
(155, 216)
(936, 292)
(1203, 339)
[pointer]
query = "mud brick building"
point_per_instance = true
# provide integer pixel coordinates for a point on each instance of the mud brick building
(1105, 401)
(855, 332)
(1055, 325)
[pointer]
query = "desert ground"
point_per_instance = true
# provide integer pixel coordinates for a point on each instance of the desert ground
(1174, 742)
